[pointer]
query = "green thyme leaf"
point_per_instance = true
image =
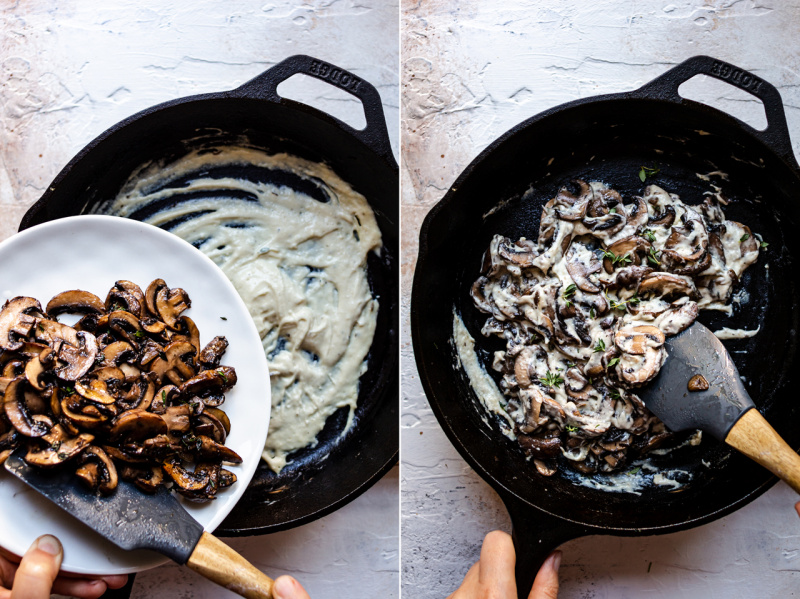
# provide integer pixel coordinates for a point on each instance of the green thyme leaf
(635, 471)
(649, 235)
(646, 171)
(613, 362)
(764, 245)
(652, 258)
(552, 379)
(221, 374)
(571, 428)
(744, 238)
(600, 346)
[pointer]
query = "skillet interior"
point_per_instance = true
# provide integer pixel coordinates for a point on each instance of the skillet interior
(609, 140)
(339, 468)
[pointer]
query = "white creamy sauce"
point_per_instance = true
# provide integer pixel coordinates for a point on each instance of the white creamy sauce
(298, 263)
(585, 309)
(726, 333)
(480, 380)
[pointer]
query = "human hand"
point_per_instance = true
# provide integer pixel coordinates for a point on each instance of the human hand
(286, 587)
(493, 575)
(37, 576)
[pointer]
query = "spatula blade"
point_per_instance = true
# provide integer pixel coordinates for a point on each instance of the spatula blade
(128, 518)
(697, 351)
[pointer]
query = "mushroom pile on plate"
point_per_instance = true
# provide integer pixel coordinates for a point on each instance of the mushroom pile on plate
(127, 392)
(585, 310)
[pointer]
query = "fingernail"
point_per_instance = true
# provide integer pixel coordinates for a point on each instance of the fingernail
(285, 588)
(555, 560)
(49, 544)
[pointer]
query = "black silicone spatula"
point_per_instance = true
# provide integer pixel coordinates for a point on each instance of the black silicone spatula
(724, 410)
(134, 520)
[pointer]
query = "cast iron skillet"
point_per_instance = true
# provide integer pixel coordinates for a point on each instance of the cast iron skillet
(609, 138)
(324, 478)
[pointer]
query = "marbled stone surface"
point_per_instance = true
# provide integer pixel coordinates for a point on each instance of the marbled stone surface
(71, 68)
(472, 70)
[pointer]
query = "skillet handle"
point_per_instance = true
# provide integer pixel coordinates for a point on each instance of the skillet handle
(536, 534)
(776, 135)
(265, 87)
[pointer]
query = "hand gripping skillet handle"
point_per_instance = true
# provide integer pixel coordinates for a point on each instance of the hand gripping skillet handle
(535, 534)
(755, 438)
(214, 560)
(775, 136)
(265, 87)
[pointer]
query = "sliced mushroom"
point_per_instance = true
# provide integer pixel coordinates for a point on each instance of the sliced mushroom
(98, 471)
(174, 364)
(125, 295)
(16, 320)
(136, 425)
(151, 293)
(127, 326)
(541, 446)
(210, 356)
(218, 380)
(664, 284)
(177, 418)
(78, 358)
(638, 369)
(171, 303)
(61, 448)
(631, 250)
(75, 301)
(581, 265)
(572, 207)
(637, 340)
(211, 450)
(18, 414)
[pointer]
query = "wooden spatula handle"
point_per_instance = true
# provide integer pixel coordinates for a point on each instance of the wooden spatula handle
(219, 563)
(755, 438)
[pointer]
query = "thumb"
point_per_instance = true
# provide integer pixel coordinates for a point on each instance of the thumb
(545, 586)
(286, 587)
(38, 569)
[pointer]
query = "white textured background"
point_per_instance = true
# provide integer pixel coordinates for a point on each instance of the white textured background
(71, 68)
(470, 71)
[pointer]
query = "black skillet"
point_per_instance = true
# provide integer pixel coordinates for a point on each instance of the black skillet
(321, 479)
(609, 138)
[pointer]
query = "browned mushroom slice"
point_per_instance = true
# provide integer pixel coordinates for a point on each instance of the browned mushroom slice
(572, 207)
(226, 478)
(13, 369)
(147, 479)
(83, 415)
(218, 380)
(183, 479)
(33, 371)
(211, 425)
(664, 219)
(118, 352)
(212, 353)
(631, 250)
(638, 215)
(151, 294)
(544, 468)
(136, 425)
(61, 448)
(177, 418)
(9, 441)
(211, 450)
(152, 325)
(18, 412)
(171, 303)
(97, 470)
(77, 358)
(95, 391)
(125, 295)
(664, 284)
(545, 446)
(187, 326)
(121, 456)
(174, 364)
(576, 384)
(638, 369)
(581, 265)
(637, 340)
(209, 491)
(75, 301)
(678, 318)
(127, 326)
(140, 395)
(17, 320)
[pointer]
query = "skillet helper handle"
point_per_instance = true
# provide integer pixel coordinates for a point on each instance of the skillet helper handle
(776, 135)
(265, 87)
(214, 560)
(535, 535)
(755, 438)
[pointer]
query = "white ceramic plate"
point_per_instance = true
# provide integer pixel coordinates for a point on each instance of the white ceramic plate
(92, 253)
